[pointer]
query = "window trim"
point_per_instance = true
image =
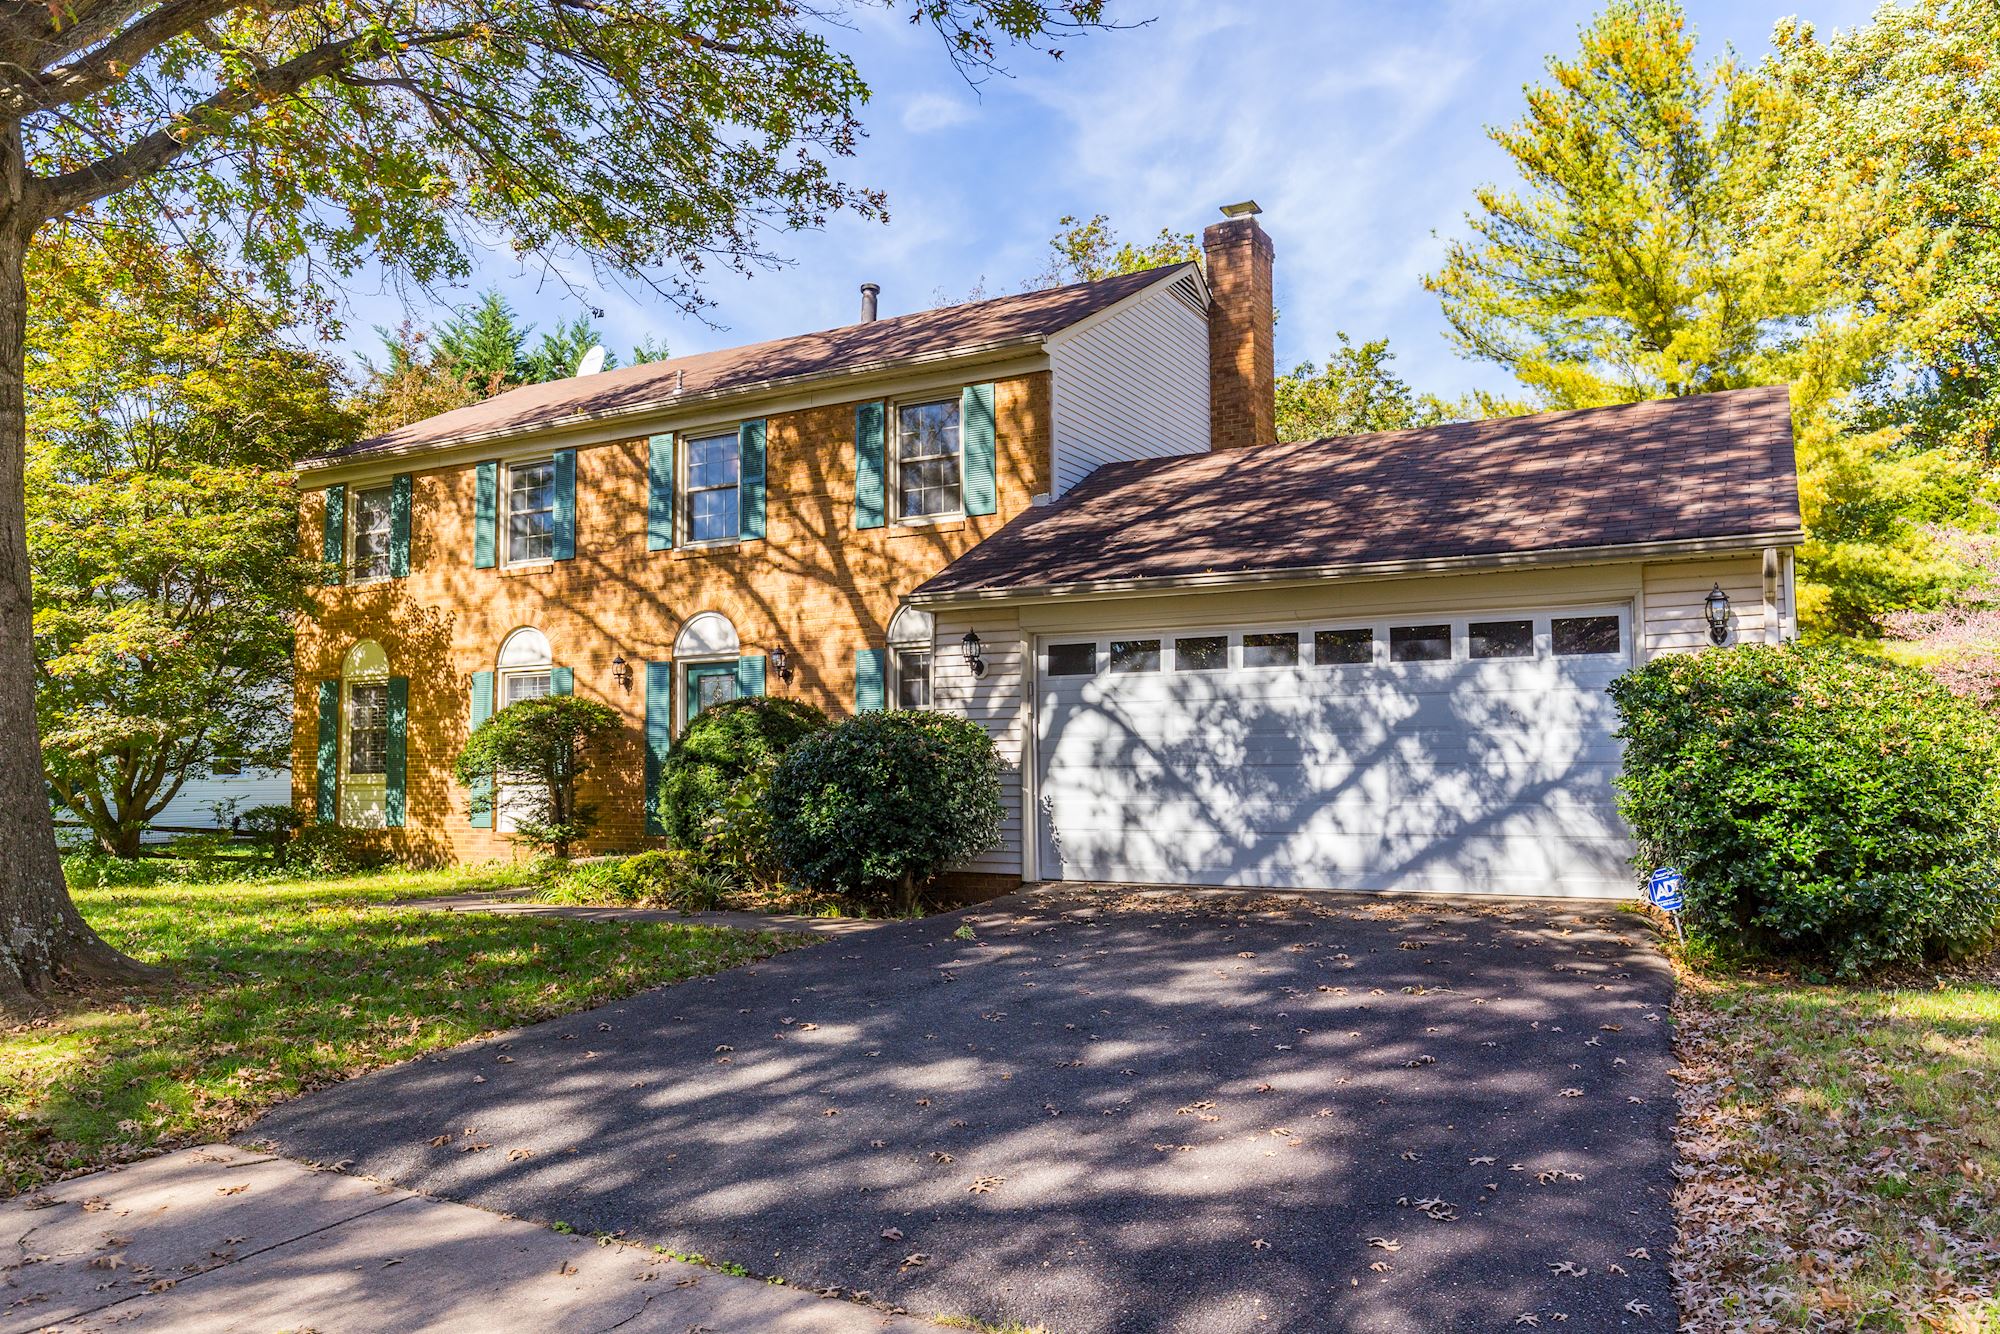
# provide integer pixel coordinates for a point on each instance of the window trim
(352, 524)
(895, 682)
(684, 490)
(892, 463)
(366, 793)
(505, 505)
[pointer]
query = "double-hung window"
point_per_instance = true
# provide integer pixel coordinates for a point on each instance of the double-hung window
(368, 728)
(516, 686)
(714, 479)
(913, 678)
(929, 470)
(531, 511)
(372, 533)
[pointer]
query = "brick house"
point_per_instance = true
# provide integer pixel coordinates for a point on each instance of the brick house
(1205, 655)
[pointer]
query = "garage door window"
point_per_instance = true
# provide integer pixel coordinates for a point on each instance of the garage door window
(1333, 648)
(1275, 650)
(1072, 659)
(1574, 636)
(1202, 653)
(1419, 643)
(1501, 639)
(1135, 655)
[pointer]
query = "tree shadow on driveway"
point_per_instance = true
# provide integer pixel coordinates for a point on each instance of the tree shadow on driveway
(1102, 1112)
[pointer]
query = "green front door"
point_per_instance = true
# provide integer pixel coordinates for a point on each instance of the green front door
(711, 683)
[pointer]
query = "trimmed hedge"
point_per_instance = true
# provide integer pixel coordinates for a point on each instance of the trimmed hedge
(880, 804)
(1824, 805)
(723, 744)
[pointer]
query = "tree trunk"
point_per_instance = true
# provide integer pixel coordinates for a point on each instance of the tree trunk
(45, 946)
(129, 843)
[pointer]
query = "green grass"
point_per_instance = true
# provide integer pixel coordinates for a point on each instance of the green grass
(279, 987)
(1845, 1154)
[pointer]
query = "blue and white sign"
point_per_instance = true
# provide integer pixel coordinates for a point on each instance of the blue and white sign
(1663, 888)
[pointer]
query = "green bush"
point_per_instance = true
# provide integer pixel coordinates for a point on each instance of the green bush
(1823, 805)
(725, 743)
(670, 879)
(877, 806)
(538, 748)
(269, 826)
(323, 849)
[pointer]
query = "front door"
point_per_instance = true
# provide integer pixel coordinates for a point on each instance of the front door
(709, 684)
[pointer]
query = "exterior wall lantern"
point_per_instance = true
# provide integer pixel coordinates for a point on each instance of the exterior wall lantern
(781, 665)
(1716, 607)
(973, 657)
(621, 672)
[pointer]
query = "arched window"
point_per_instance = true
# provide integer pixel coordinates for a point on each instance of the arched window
(526, 669)
(364, 738)
(705, 654)
(910, 636)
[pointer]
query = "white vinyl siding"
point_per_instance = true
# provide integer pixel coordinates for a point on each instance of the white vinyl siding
(193, 806)
(1132, 385)
(997, 702)
(1674, 619)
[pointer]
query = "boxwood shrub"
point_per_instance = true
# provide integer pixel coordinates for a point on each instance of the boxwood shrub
(723, 744)
(1824, 805)
(877, 806)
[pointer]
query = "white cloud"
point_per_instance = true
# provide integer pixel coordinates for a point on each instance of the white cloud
(927, 113)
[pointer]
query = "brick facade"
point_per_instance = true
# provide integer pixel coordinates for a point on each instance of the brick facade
(1242, 365)
(816, 586)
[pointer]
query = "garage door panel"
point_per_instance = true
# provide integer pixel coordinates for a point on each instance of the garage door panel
(1490, 776)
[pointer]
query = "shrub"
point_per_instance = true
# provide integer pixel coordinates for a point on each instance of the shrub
(1822, 804)
(321, 848)
(879, 805)
(723, 744)
(269, 826)
(537, 749)
(672, 879)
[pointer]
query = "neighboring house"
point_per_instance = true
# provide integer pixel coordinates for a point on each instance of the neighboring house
(1374, 663)
(667, 535)
(207, 805)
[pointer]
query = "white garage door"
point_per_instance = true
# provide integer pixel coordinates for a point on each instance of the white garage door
(1457, 754)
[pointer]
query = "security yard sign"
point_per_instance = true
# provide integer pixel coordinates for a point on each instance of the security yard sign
(1663, 891)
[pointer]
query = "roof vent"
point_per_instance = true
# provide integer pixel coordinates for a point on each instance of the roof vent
(869, 291)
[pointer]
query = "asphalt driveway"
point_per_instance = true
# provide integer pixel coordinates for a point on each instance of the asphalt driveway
(1108, 1112)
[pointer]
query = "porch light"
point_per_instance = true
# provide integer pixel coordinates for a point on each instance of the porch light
(781, 664)
(973, 659)
(621, 672)
(1716, 607)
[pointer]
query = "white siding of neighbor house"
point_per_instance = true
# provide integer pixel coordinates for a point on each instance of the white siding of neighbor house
(1665, 602)
(193, 806)
(997, 701)
(1131, 384)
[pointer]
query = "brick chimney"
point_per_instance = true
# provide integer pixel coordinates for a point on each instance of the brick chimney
(1242, 369)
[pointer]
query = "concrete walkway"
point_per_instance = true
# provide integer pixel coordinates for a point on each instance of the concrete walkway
(221, 1239)
(516, 903)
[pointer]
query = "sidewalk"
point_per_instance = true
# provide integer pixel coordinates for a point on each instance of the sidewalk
(515, 903)
(220, 1239)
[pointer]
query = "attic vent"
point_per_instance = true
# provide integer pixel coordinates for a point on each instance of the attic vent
(1188, 289)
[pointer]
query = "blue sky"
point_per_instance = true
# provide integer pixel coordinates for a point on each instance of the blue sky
(1358, 126)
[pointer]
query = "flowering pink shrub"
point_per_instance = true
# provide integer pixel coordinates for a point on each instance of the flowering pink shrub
(1959, 642)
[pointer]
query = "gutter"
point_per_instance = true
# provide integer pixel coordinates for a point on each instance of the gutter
(1386, 569)
(674, 403)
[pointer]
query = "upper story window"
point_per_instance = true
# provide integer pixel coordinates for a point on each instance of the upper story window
(929, 472)
(714, 482)
(372, 533)
(531, 511)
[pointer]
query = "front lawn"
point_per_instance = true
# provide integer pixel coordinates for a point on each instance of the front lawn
(1840, 1152)
(281, 987)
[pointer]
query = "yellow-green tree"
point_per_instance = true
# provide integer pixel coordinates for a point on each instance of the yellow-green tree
(1674, 233)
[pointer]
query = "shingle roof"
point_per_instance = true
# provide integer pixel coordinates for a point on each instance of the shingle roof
(658, 384)
(1713, 466)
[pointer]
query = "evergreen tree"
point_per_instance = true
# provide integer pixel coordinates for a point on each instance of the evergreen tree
(560, 352)
(1355, 394)
(485, 346)
(649, 349)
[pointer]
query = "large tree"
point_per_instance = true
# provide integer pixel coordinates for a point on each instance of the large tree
(1681, 230)
(165, 408)
(651, 136)
(1354, 393)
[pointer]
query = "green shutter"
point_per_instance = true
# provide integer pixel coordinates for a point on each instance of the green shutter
(868, 495)
(750, 676)
(562, 681)
(396, 764)
(870, 694)
(975, 434)
(659, 737)
(329, 750)
(750, 457)
(333, 534)
(486, 518)
(660, 493)
(565, 511)
(399, 527)
(482, 709)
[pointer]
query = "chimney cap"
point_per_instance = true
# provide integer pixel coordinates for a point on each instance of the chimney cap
(1247, 209)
